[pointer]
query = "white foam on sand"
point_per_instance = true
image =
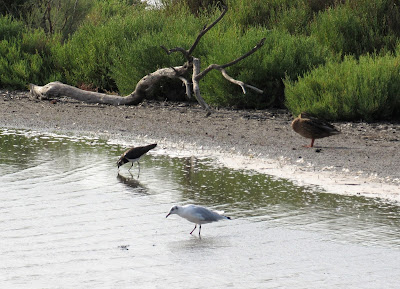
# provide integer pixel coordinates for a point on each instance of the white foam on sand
(346, 183)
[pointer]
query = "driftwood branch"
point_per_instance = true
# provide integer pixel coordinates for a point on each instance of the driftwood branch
(58, 89)
(206, 29)
(145, 86)
(196, 87)
(219, 67)
(187, 86)
(240, 83)
(187, 53)
(177, 49)
(197, 75)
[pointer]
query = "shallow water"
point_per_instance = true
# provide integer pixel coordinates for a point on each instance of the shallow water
(69, 220)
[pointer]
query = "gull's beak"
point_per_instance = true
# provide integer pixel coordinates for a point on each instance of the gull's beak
(168, 215)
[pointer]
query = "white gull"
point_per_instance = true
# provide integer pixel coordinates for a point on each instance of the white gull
(197, 214)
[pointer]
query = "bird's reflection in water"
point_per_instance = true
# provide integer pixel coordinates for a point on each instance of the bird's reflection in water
(133, 183)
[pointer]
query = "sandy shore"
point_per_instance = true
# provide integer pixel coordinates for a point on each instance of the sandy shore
(364, 159)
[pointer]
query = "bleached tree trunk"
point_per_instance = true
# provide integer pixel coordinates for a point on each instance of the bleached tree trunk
(58, 89)
(145, 85)
(196, 86)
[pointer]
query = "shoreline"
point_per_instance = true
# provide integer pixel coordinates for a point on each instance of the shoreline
(362, 160)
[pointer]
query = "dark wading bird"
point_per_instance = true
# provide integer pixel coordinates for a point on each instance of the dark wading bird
(197, 214)
(134, 154)
(313, 128)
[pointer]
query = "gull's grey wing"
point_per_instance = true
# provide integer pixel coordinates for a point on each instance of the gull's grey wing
(206, 215)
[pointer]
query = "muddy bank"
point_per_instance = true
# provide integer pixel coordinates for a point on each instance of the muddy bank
(363, 159)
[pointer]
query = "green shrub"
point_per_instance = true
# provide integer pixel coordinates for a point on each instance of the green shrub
(17, 67)
(368, 89)
(26, 60)
(10, 28)
(295, 19)
(259, 12)
(56, 16)
(343, 31)
(139, 52)
(95, 55)
(358, 27)
(294, 16)
(112, 44)
(196, 7)
(85, 60)
(12, 7)
(283, 55)
(102, 11)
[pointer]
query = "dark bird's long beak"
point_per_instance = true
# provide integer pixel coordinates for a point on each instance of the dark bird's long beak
(168, 215)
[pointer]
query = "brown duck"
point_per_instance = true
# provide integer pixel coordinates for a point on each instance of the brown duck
(313, 128)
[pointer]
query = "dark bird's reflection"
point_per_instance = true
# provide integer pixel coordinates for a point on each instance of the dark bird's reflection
(133, 183)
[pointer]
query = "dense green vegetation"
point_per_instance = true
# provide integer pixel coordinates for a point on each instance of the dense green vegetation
(335, 58)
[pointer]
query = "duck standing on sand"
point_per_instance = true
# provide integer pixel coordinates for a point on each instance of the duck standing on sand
(313, 128)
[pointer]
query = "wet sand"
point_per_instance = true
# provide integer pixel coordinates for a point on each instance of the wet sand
(362, 160)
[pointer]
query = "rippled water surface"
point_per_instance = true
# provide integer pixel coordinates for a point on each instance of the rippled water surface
(68, 219)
